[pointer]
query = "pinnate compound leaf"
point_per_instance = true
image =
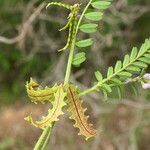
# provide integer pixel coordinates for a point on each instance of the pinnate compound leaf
(74, 104)
(101, 4)
(37, 94)
(94, 16)
(53, 113)
(84, 43)
(88, 28)
(78, 59)
(132, 64)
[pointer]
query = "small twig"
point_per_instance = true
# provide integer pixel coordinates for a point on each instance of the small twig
(24, 27)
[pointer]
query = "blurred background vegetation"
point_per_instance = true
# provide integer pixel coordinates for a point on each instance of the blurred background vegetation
(29, 40)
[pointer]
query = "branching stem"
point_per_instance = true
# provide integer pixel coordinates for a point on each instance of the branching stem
(68, 70)
(100, 84)
(43, 140)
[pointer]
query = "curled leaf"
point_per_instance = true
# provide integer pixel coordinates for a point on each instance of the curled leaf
(36, 94)
(77, 113)
(53, 113)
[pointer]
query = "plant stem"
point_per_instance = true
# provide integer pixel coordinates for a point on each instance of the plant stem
(82, 15)
(42, 141)
(88, 91)
(68, 69)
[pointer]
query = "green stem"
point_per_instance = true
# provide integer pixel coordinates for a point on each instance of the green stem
(88, 91)
(69, 64)
(68, 70)
(42, 141)
(82, 15)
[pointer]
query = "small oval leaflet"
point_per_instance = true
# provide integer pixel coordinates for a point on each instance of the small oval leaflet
(107, 88)
(145, 60)
(140, 64)
(98, 76)
(101, 4)
(88, 28)
(133, 69)
(78, 59)
(147, 55)
(133, 53)
(110, 71)
(116, 81)
(124, 73)
(84, 43)
(95, 16)
(126, 60)
(118, 66)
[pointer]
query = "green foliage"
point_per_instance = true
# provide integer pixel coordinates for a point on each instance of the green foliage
(101, 4)
(78, 59)
(116, 76)
(74, 101)
(89, 28)
(125, 69)
(98, 76)
(72, 21)
(84, 43)
(94, 16)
